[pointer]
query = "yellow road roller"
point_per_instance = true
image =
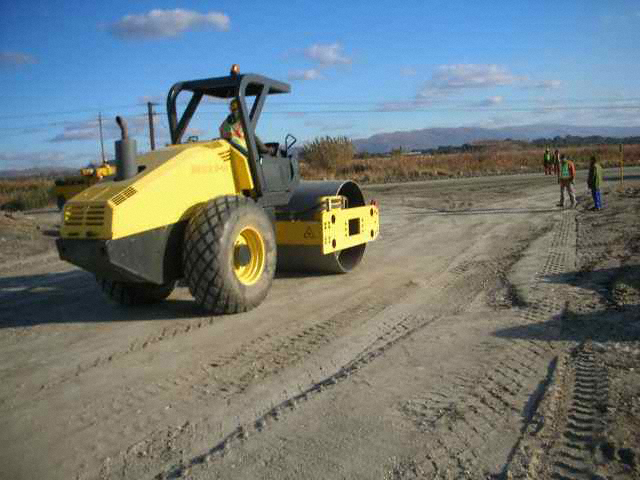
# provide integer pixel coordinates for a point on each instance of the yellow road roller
(217, 214)
(67, 187)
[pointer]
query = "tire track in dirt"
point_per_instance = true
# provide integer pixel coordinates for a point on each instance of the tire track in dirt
(563, 440)
(260, 350)
(463, 418)
(571, 457)
(257, 345)
(467, 415)
(260, 358)
(227, 375)
(394, 333)
(401, 331)
(253, 361)
(567, 439)
(254, 351)
(466, 277)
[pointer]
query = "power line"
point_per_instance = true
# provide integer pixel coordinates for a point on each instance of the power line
(316, 103)
(66, 112)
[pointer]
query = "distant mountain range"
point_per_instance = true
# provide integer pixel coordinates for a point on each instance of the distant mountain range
(436, 137)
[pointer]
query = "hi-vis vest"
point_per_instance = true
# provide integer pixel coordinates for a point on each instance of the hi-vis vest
(564, 170)
(233, 131)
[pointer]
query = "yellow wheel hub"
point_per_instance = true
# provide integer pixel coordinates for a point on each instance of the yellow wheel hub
(249, 256)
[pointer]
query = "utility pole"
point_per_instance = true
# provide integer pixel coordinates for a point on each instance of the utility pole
(101, 139)
(152, 138)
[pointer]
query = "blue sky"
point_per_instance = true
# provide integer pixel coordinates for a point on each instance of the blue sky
(356, 67)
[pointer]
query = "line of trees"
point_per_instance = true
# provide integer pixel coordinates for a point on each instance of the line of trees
(508, 143)
(577, 141)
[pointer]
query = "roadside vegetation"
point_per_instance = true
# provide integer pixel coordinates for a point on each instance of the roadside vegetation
(329, 153)
(486, 158)
(335, 157)
(26, 193)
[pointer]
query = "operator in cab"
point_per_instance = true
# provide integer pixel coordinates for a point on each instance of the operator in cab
(231, 129)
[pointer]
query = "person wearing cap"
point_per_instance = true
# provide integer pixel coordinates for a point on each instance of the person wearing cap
(231, 129)
(566, 178)
(547, 163)
(594, 182)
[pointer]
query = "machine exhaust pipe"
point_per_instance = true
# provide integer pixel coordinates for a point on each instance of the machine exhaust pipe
(126, 165)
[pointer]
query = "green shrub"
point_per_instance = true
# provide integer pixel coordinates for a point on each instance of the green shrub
(328, 153)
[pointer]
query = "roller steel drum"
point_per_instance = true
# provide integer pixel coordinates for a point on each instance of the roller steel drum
(299, 258)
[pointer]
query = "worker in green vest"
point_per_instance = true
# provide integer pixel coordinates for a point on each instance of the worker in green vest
(546, 162)
(594, 182)
(566, 179)
(231, 129)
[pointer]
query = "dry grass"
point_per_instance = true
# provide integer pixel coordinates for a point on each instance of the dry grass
(490, 161)
(26, 193)
(328, 153)
(37, 192)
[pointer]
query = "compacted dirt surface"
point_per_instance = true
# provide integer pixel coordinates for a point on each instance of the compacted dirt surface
(486, 334)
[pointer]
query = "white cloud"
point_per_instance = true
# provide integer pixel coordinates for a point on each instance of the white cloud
(547, 84)
(168, 23)
(403, 106)
(327, 55)
(11, 59)
(430, 103)
(628, 116)
(343, 128)
(491, 101)
(324, 126)
(310, 74)
(449, 78)
(90, 129)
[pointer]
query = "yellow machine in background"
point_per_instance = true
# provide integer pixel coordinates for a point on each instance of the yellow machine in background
(67, 187)
(214, 213)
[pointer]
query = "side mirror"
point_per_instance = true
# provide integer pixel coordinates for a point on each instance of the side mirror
(287, 145)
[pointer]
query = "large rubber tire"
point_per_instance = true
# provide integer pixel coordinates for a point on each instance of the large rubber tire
(221, 279)
(126, 293)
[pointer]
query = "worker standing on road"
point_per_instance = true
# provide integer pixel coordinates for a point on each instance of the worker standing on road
(547, 163)
(556, 163)
(594, 182)
(566, 179)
